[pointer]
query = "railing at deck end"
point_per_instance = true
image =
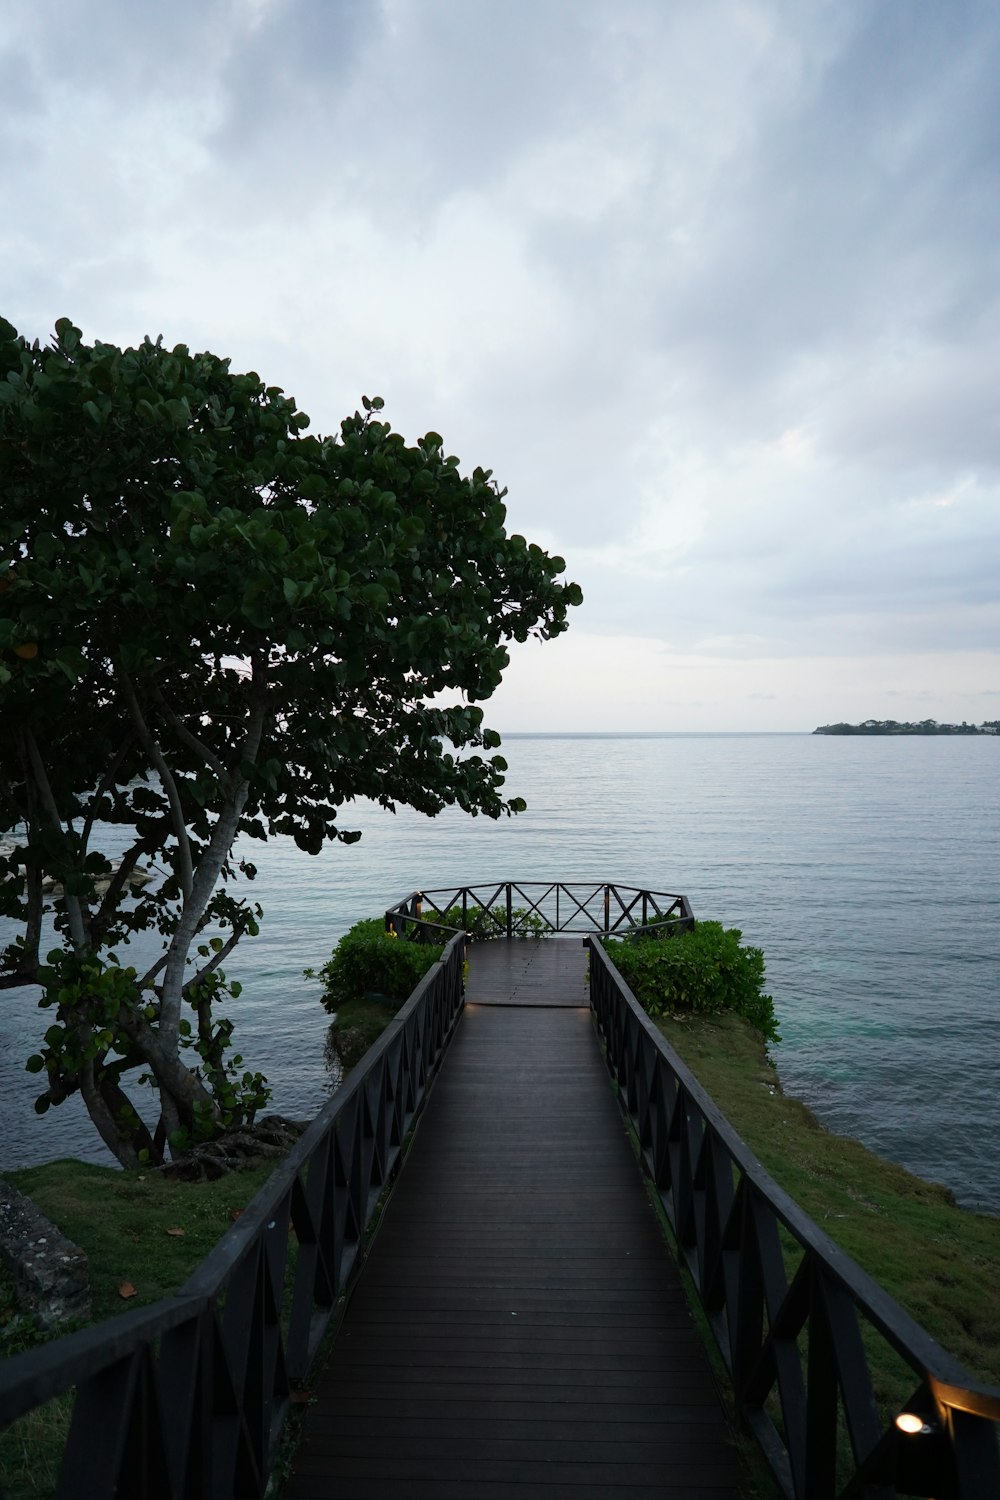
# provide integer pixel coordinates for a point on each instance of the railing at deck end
(797, 1348)
(536, 908)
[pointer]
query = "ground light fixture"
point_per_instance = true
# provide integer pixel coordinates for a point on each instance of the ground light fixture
(920, 1463)
(912, 1425)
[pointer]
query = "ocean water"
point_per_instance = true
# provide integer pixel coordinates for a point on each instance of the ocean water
(868, 869)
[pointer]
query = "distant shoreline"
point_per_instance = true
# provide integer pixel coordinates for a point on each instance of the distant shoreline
(740, 734)
(924, 726)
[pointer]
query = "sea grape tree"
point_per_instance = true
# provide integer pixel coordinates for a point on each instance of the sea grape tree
(213, 622)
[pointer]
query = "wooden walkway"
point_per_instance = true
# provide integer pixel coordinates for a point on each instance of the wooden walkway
(519, 1330)
(528, 971)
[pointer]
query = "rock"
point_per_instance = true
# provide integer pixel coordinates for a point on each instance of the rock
(136, 878)
(50, 1274)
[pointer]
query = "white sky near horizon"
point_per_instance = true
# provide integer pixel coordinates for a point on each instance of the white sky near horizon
(713, 288)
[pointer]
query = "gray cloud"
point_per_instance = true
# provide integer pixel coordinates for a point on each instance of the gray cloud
(713, 288)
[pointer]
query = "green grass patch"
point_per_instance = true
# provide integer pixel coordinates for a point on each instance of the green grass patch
(126, 1223)
(940, 1262)
(31, 1449)
(356, 1026)
(123, 1221)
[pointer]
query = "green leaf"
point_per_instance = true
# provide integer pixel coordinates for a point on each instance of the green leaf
(68, 336)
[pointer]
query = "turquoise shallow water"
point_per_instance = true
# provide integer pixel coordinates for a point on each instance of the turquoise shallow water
(867, 869)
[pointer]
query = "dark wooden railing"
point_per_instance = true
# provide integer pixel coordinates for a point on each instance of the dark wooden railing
(795, 1320)
(533, 908)
(185, 1399)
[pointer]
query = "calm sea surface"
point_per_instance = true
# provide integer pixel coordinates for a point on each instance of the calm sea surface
(868, 869)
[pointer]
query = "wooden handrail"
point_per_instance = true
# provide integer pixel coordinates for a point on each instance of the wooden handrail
(728, 1216)
(188, 1395)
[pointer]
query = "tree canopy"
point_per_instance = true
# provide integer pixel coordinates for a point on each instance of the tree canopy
(214, 622)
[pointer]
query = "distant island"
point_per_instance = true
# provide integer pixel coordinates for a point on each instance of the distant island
(925, 726)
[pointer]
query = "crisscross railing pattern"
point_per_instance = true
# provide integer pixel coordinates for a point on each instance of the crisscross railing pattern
(184, 1400)
(796, 1345)
(187, 1398)
(530, 908)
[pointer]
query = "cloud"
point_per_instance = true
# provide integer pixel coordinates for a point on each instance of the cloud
(628, 683)
(711, 288)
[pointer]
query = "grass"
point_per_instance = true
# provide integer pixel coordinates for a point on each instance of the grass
(143, 1235)
(123, 1223)
(356, 1026)
(940, 1262)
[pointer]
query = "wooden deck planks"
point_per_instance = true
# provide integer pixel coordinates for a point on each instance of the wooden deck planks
(528, 971)
(519, 1329)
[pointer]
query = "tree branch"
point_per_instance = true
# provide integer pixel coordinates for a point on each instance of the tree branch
(98, 1110)
(107, 782)
(32, 878)
(167, 779)
(20, 978)
(33, 926)
(151, 973)
(214, 961)
(7, 793)
(121, 1107)
(192, 741)
(109, 900)
(210, 864)
(74, 908)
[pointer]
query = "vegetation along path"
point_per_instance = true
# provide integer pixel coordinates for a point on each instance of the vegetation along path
(519, 1326)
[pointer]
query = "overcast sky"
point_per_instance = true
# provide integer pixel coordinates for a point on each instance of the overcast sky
(712, 287)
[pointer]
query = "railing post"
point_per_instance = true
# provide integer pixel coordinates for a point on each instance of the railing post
(607, 908)
(821, 1399)
(510, 923)
(465, 908)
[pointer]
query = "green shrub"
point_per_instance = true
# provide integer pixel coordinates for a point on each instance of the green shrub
(370, 963)
(482, 925)
(479, 923)
(704, 969)
(662, 926)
